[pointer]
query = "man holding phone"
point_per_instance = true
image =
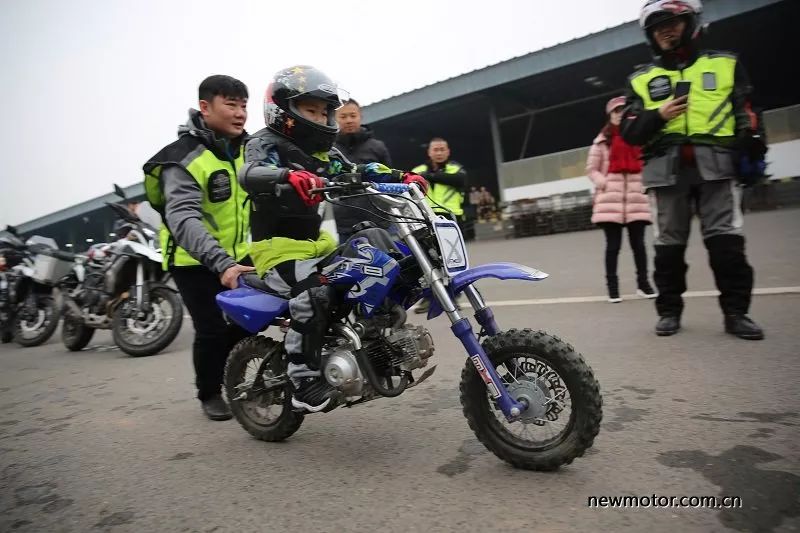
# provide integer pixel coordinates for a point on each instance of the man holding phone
(691, 111)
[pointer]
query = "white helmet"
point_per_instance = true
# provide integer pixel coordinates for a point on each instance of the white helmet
(655, 11)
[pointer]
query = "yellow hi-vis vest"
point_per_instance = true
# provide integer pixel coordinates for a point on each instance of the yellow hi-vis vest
(710, 113)
(444, 195)
(223, 216)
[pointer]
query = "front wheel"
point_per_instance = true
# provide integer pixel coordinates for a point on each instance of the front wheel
(75, 334)
(564, 403)
(153, 331)
(265, 415)
(37, 328)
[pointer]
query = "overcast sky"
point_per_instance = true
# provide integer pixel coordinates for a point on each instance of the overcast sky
(93, 88)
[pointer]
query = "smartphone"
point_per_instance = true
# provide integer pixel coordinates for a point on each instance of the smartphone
(682, 88)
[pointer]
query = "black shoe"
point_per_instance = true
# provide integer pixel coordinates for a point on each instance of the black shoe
(645, 290)
(612, 282)
(215, 408)
(668, 325)
(743, 327)
(613, 295)
(313, 395)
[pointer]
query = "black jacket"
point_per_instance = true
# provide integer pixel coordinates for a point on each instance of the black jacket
(360, 147)
(363, 147)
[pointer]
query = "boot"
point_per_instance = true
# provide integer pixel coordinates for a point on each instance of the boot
(670, 278)
(732, 274)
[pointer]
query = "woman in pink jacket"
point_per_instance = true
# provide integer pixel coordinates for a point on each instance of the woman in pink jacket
(615, 167)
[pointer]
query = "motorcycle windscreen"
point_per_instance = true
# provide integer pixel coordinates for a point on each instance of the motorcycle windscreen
(371, 275)
(251, 309)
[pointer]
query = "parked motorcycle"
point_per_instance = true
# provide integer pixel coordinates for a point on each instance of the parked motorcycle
(29, 310)
(121, 286)
(528, 396)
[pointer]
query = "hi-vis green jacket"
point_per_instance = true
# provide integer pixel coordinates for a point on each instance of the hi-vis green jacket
(719, 109)
(192, 182)
(446, 185)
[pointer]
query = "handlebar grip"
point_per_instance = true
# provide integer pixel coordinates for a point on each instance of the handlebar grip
(391, 188)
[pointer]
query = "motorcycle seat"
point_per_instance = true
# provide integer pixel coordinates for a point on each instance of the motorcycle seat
(255, 282)
(58, 254)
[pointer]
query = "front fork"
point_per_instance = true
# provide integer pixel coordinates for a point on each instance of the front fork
(142, 292)
(462, 329)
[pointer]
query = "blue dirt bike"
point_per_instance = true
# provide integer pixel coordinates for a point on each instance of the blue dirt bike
(528, 396)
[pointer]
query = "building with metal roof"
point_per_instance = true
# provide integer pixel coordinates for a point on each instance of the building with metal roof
(524, 122)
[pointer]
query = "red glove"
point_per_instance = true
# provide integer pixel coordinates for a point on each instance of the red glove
(303, 181)
(409, 178)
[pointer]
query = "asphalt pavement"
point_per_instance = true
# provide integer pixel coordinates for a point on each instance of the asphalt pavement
(99, 441)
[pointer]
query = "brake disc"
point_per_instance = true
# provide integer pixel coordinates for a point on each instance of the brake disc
(533, 393)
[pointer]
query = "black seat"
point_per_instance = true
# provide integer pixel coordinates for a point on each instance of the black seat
(255, 282)
(58, 254)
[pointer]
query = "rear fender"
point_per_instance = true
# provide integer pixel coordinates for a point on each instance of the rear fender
(252, 309)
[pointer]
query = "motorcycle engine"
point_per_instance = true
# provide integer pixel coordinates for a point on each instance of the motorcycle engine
(93, 295)
(342, 371)
(408, 347)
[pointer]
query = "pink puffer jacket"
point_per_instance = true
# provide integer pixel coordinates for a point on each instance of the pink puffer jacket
(618, 198)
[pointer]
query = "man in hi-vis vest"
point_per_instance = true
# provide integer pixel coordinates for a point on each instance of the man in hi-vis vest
(691, 111)
(192, 182)
(447, 179)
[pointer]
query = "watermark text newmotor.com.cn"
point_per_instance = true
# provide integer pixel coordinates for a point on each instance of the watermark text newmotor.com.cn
(655, 501)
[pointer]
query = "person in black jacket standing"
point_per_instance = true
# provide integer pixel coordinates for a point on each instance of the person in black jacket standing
(357, 144)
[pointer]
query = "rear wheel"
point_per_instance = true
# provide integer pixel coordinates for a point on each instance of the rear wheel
(565, 406)
(74, 333)
(265, 415)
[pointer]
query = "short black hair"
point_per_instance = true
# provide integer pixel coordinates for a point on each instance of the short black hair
(437, 140)
(351, 101)
(221, 85)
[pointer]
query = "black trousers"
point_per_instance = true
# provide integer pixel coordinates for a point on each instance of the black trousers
(213, 338)
(614, 244)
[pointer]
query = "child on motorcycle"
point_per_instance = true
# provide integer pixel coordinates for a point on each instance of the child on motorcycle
(296, 148)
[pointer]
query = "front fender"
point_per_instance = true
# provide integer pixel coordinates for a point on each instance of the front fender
(462, 280)
(495, 270)
(161, 284)
(139, 249)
